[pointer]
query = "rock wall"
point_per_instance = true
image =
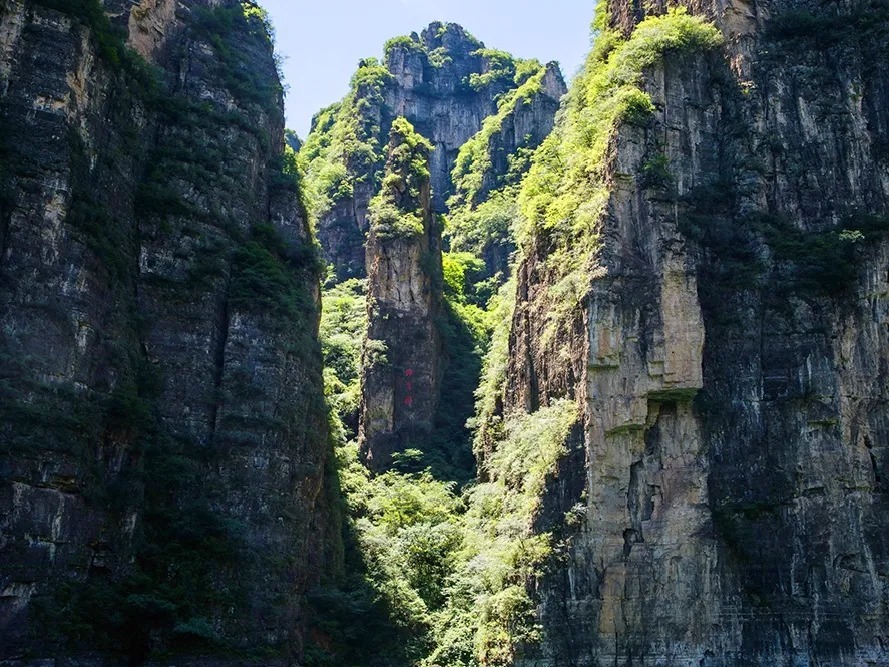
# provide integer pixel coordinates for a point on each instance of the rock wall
(729, 356)
(163, 441)
(446, 109)
(432, 79)
(402, 360)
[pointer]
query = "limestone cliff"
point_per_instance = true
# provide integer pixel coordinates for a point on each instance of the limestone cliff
(162, 440)
(450, 87)
(483, 112)
(402, 357)
(683, 420)
(708, 282)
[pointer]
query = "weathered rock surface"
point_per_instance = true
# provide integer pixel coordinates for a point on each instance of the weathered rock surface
(162, 443)
(730, 357)
(429, 81)
(402, 362)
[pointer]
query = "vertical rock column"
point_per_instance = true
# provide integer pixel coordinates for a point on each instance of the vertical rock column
(401, 364)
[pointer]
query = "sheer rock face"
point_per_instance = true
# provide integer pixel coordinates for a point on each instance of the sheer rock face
(133, 339)
(443, 107)
(440, 102)
(402, 362)
(734, 459)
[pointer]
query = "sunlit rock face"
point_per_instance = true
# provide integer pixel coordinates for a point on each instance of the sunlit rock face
(162, 439)
(402, 362)
(730, 356)
(432, 79)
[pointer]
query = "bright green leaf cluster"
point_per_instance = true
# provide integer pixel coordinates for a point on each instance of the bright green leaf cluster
(565, 193)
(398, 211)
(343, 323)
(474, 159)
(345, 147)
(570, 165)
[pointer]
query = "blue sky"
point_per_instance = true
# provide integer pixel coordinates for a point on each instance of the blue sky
(323, 40)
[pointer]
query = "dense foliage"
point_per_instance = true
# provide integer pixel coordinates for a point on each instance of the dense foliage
(343, 324)
(454, 566)
(443, 577)
(474, 161)
(345, 146)
(482, 210)
(440, 569)
(398, 210)
(563, 198)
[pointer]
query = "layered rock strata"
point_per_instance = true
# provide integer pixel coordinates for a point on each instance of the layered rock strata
(729, 352)
(162, 443)
(402, 362)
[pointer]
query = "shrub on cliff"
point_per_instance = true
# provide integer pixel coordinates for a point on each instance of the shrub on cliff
(563, 198)
(343, 323)
(398, 211)
(345, 145)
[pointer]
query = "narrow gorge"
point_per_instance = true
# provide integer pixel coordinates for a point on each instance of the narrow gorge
(486, 369)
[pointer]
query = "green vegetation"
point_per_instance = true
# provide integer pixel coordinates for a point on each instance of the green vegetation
(343, 323)
(458, 582)
(500, 67)
(656, 173)
(403, 42)
(821, 262)
(486, 226)
(499, 533)
(179, 590)
(244, 81)
(345, 146)
(398, 210)
(465, 331)
(464, 283)
(441, 577)
(866, 27)
(110, 42)
(464, 328)
(265, 279)
(474, 160)
(564, 196)
(483, 209)
(487, 424)
(438, 574)
(106, 237)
